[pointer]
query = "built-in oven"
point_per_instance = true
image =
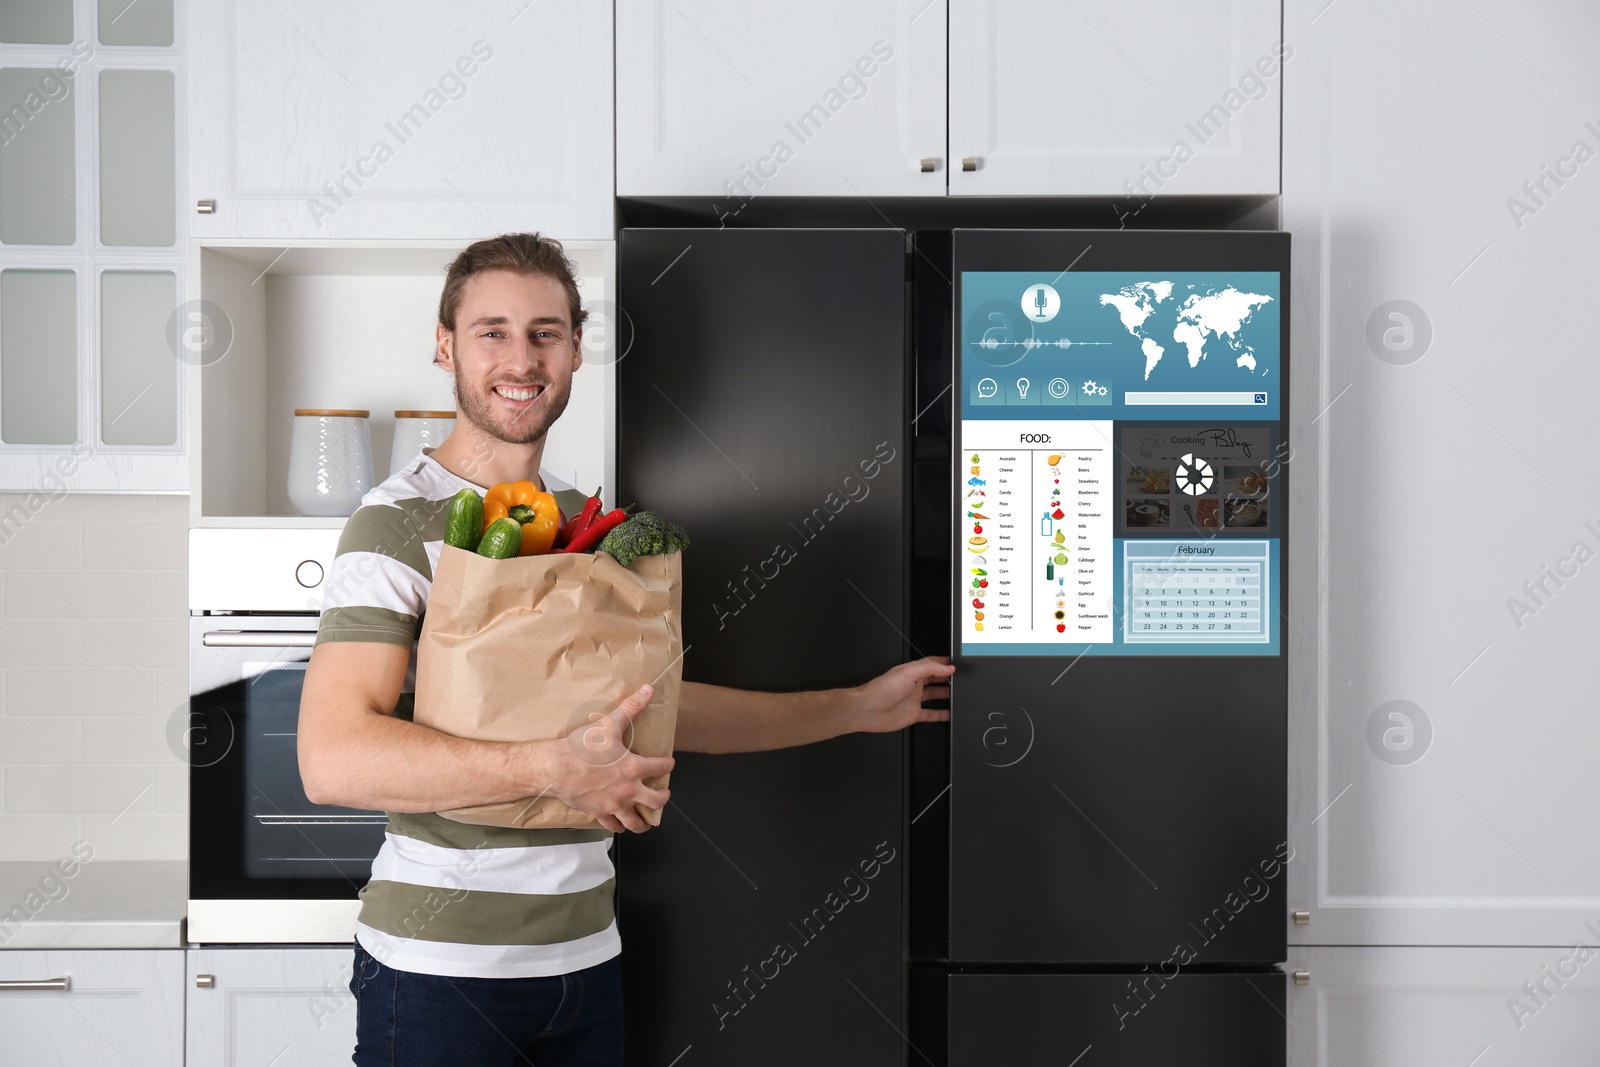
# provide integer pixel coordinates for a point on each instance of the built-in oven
(265, 864)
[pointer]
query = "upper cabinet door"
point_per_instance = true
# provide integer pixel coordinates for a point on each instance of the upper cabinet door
(400, 118)
(1114, 97)
(735, 100)
(91, 252)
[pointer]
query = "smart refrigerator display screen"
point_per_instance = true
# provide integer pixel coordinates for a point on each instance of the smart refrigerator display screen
(1117, 459)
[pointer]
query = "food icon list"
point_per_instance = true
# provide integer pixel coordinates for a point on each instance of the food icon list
(1037, 523)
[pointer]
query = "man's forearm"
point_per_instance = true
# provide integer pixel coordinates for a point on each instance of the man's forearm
(714, 718)
(386, 764)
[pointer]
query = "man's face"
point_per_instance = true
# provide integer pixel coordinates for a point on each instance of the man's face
(513, 352)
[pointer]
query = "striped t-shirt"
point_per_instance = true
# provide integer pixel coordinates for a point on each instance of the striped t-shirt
(445, 897)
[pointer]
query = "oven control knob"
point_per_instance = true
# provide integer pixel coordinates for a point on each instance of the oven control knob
(309, 574)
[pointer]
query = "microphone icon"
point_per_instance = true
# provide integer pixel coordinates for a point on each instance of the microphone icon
(1040, 301)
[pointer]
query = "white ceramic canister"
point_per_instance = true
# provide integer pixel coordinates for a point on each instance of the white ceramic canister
(330, 460)
(416, 430)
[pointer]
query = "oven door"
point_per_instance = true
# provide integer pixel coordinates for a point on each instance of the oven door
(256, 844)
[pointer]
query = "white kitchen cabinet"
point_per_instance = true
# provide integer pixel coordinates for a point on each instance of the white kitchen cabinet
(1445, 1007)
(1122, 98)
(1442, 475)
(736, 100)
(254, 1007)
(91, 392)
(401, 118)
(1099, 98)
(118, 1006)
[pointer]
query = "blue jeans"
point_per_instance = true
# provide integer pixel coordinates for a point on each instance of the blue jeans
(406, 1019)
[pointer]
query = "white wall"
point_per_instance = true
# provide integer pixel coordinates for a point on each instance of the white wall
(93, 663)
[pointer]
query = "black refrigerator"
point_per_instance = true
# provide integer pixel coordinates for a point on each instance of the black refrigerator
(1060, 457)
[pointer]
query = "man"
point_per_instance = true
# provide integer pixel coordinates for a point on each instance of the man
(489, 945)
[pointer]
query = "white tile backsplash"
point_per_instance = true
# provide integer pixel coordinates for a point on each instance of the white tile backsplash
(109, 691)
(170, 508)
(138, 835)
(172, 788)
(170, 594)
(48, 789)
(40, 642)
(144, 546)
(39, 739)
(140, 644)
(137, 739)
(39, 542)
(81, 594)
(37, 837)
(171, 688)
(91, 507)
(93, 662)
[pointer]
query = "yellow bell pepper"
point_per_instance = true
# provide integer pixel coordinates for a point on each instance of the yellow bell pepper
(536, 511)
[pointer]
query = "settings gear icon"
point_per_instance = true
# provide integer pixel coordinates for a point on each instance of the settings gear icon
(1194, 475)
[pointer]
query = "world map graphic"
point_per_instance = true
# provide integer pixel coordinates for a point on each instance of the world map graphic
(1207, 321)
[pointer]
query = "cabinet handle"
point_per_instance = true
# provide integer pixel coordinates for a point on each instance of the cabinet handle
(205, 207)
(929, 164)
(1302, 918)
(204, 981)
(969, 163)
(61, 984)
(1302, 978)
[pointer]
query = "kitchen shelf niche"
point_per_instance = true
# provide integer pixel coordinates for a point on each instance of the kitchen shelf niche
(346, 325)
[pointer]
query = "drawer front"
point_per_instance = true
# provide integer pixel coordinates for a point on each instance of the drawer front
(1118, 1020)
(118, 1006)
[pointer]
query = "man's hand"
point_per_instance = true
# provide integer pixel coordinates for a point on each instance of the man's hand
(894, 699)
(598, 775)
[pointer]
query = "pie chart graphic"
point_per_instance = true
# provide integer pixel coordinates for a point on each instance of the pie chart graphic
(1193, 475)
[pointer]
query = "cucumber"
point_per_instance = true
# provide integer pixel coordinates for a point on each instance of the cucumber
(464, 528)
(502, 540)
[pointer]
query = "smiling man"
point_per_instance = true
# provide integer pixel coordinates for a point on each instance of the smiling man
(490, 945)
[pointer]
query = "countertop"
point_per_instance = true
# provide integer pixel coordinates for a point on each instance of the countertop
(119, 904)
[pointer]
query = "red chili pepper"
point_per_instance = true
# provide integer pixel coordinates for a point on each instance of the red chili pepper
(591, 508)
(579, 522)
(595, 531)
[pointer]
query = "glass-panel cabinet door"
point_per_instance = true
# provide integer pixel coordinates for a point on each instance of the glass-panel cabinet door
(92, 256)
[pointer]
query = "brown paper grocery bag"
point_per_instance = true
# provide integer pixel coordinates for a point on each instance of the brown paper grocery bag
(535, 647)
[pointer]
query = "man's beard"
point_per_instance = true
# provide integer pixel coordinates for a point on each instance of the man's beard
(514, 428)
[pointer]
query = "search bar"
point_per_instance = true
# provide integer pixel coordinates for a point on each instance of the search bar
(1195, 399)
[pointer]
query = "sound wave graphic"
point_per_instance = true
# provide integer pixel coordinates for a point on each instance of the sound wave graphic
(1033, 342)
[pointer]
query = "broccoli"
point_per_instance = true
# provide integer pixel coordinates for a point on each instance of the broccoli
(644, 534)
